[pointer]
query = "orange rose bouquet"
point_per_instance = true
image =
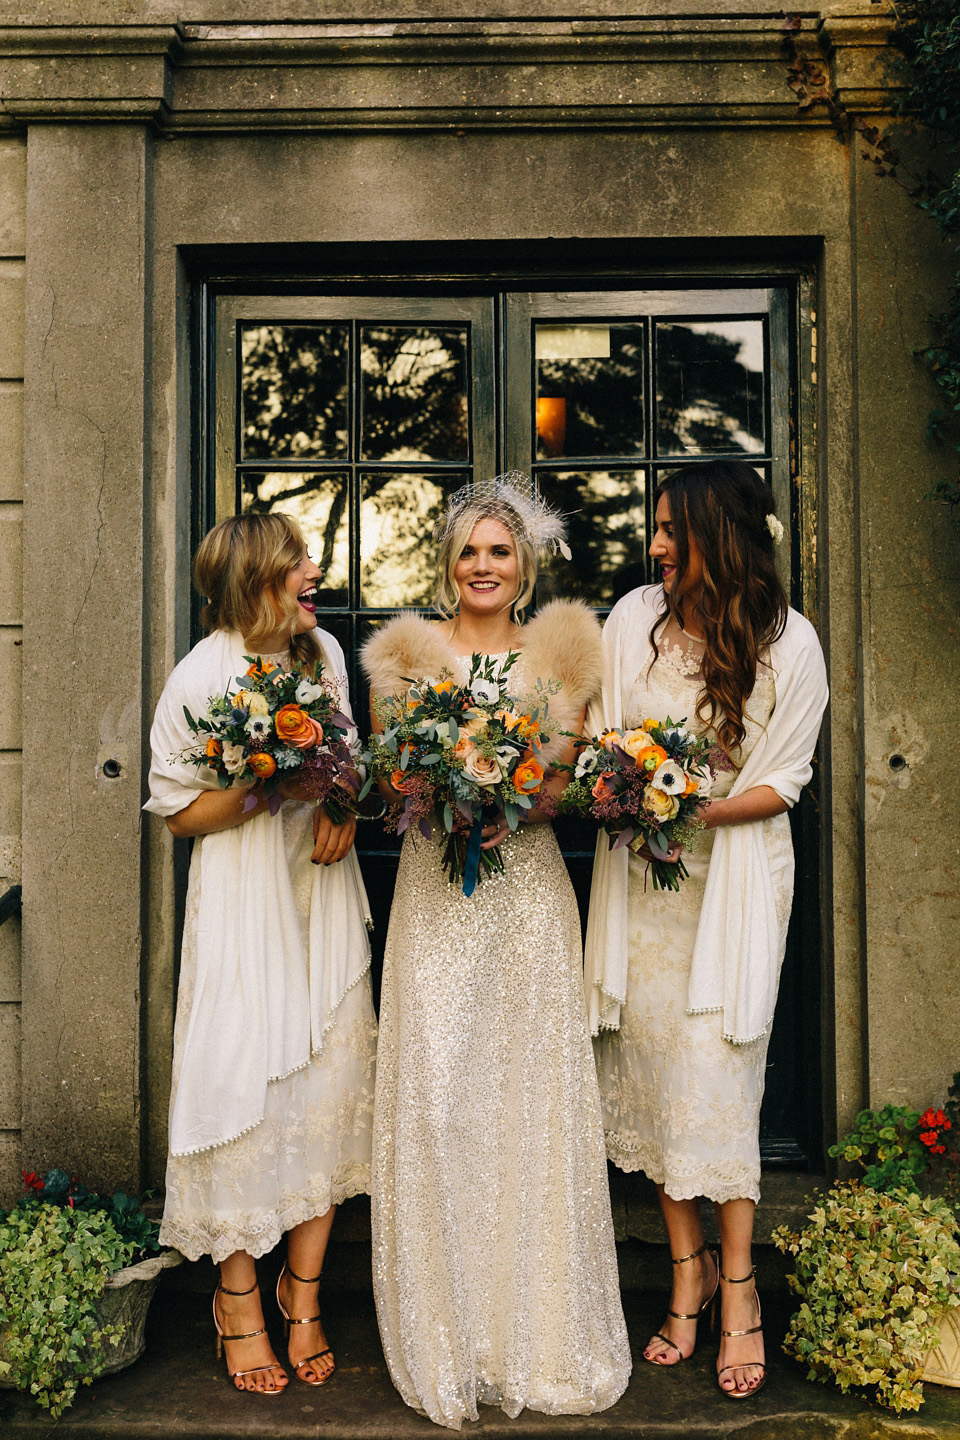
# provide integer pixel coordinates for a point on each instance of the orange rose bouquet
(461, 756)
(276, 726)
(646, 787)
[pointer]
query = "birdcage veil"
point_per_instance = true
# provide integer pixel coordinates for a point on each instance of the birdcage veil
(515, 501)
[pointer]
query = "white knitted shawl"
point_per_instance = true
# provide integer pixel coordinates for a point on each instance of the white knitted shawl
(739, 944)
(267, 984)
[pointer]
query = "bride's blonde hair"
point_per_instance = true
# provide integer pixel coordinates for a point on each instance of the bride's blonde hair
(240, 568)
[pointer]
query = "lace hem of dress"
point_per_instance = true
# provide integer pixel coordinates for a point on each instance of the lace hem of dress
(259, 1234)
(739, 1183)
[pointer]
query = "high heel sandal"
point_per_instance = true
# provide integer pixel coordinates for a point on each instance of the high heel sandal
(250, 1335)
(675, 1314)
(731, 1334)
(310, 1320)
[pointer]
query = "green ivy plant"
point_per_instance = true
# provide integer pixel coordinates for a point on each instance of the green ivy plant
(874, 1271)
(54, 1263)
(886, 1144)
(56, 1187)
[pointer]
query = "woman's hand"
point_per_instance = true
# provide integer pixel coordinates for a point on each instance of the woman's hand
(674, 851)
(331, 842)
(494, 833)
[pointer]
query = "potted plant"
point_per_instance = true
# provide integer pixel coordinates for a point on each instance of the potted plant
(877, 1266)
(77, 1272)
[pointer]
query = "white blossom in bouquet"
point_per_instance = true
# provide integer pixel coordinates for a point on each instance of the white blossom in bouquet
(485, 692)
(669, 778)
(587, 762)
(307, 692)
(234, 757)
(258, 727)
(704, 779)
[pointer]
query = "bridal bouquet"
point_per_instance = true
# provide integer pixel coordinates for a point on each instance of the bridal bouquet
(278, 726)
(646, 787)
(460, 755)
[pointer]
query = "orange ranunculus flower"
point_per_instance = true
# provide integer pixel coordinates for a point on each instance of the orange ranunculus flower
(260, 667)
(295, 727)
(442, 687)
(400, 780)
(609, 738)
(214, 747)
(692, 786)
(262, 764)
(528, 775)
(529, 728)
(652, 758)
(510, 720)
(600, 790)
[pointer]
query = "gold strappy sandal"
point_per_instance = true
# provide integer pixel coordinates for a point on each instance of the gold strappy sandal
(310, 1320)
(746, 1364)
(675, 1314)
(250, 1335)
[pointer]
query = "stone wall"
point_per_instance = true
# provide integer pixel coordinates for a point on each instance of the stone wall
(12, 244)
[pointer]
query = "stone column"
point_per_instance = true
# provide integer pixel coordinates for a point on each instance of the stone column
(84, 429)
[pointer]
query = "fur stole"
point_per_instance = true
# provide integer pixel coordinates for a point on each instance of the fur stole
(561, 644)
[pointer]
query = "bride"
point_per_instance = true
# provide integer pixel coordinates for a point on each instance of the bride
(495, 1270)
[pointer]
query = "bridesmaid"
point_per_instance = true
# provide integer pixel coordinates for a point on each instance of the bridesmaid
(683, 986)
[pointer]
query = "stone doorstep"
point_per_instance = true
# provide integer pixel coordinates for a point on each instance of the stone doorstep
(179, 1389)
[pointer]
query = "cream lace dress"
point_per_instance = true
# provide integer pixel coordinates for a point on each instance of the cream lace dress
(681, 1103)
(311, 1150)
(494, 1264)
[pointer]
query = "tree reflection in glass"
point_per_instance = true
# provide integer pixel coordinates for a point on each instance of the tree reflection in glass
(589, 390)
(606, 530)
(413, 393)
(319, 504)
(710, 392)
(398, 556)
(293, 392)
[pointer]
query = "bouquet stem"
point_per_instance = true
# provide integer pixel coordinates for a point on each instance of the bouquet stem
(668, 876)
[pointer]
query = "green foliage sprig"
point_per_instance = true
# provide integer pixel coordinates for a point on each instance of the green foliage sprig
(124, 1211)
(886, 1144)
(54, 1263)
(874, 1271)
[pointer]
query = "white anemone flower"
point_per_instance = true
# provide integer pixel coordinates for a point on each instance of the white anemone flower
(587, 762)
(307, 692)
(258, 727)
(669, 778)
(485, 691)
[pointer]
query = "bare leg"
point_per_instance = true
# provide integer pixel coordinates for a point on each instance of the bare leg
(740, 1309)
(693, 1282)
(306, 1248)
(239, 1315)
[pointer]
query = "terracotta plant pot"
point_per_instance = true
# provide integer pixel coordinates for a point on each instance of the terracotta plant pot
(942, 1365)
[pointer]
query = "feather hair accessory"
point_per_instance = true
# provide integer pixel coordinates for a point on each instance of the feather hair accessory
(514, 500)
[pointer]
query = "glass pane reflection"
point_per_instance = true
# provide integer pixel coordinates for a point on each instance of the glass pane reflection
(413, 393)
(606, 529)
(319, 504)
(293, 392)
(589, 390)
(710, 391)
(398, 512)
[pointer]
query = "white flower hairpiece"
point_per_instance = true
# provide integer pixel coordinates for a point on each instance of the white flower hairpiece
(514, 500)
(775, 528)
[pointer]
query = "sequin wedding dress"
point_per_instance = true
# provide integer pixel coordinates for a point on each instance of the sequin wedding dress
(495, 1269)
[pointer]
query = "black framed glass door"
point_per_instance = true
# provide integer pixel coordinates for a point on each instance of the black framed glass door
(359, 413)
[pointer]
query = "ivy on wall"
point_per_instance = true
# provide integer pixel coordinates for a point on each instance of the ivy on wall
(927, 37)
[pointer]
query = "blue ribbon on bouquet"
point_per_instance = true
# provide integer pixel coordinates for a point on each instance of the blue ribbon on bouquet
(471, 864)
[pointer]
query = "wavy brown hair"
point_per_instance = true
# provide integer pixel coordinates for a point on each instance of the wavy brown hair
(240, 568)
(722, 506)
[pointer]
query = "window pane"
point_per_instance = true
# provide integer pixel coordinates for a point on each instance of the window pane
(398, 557)
(606, 530)
(413, 392)
(319, 504)
(710, 392)
(589, 390)
(294, 392)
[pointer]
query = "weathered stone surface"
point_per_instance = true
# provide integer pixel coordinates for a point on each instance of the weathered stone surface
(11, 671)
(11, 319)
(9, 1064)
(10, 961)
(11, 440)
(11, 578)
(84, 464)
(13, 196)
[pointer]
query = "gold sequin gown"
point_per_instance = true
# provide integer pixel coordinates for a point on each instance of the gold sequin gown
(681, 1103)
(495, 1269)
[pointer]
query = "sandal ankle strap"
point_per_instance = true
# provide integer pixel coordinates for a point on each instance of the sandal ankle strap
(304, 1280)
(739, 1279)
(694, 1256)
(224, 1291)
